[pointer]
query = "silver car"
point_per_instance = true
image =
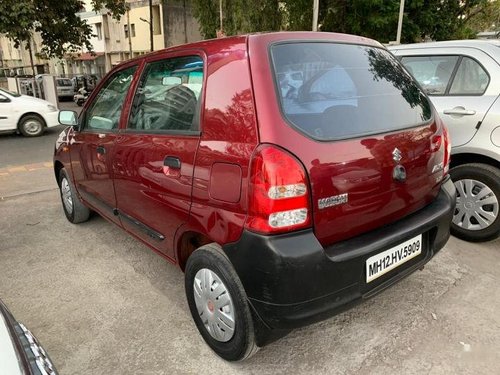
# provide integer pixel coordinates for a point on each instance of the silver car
(20, 351)
(462, 79)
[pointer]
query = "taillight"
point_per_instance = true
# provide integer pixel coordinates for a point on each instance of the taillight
(278, 192)
(447, 149)
(440, 142)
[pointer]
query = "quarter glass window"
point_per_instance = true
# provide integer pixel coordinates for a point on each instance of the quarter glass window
(470, 79)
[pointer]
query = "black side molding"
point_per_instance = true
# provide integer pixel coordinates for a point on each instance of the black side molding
(143, 227)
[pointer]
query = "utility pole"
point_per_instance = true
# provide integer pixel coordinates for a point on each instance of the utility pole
(30, 50)
(185, 22)
(129, 33)
(151, 24)
(220, 11)
(400, 22)
(33, 81)
(315, 15)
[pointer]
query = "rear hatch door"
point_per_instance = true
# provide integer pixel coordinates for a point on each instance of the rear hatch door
(364, 130)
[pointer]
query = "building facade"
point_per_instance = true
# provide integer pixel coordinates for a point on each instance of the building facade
(113, 41)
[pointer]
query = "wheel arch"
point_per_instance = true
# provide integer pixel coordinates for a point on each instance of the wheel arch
(57, 169)
(468, 158)
(44, 123)
(187, 243)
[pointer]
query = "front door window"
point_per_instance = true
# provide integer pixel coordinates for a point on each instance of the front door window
(104, 113)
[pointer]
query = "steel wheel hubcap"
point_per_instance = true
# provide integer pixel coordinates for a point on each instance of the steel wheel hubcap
(66, 195)
(477, 205)
(214, 305)
(32, 126)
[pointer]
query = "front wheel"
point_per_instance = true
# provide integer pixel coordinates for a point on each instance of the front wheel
(476, 217)
(75, 211)
(31, 126)
(218, 304)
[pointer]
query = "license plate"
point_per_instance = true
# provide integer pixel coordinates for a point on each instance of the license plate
(387, 260)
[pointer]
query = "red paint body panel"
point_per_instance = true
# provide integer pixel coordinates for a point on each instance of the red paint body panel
(229, 135)
(240, 110)
(91, 171)
(145, 192)
(225, 182)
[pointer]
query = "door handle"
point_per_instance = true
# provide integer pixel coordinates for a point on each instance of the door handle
(459, 111)
(172, 167)
(172, 162)
(100, 150)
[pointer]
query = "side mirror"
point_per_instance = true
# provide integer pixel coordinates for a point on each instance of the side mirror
(68, 118)
(171, 81)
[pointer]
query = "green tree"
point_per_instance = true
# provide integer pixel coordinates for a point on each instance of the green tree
(487, 18)
(238, 16)
(440, 19)
(377, 19)
(61, 29)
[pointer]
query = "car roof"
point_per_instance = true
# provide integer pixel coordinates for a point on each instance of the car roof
(491, 46)
(227, 42)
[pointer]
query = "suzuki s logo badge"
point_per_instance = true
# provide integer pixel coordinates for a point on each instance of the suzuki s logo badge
(397, 155)
(399, 173)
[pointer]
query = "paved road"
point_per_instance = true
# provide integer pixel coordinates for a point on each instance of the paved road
(18, 150)
(103, 303)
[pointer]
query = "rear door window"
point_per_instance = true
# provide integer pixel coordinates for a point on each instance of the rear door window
(168, 96)
(64, 82)
(335, 91)
(432, 72)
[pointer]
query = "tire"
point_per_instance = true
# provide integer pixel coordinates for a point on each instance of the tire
(75, 211)
(31, 126)
(477, 215)
(208, 263)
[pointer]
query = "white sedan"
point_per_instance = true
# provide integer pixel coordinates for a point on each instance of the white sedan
(30, 116)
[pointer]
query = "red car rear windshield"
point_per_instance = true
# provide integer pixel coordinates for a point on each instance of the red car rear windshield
(335, 91)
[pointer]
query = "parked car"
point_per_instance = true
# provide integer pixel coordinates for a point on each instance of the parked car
(25, 114)
(65, 89)
(21, 353)
(281, 209)
(462, 79)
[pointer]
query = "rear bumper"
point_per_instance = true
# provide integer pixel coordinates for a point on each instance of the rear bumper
(292, 281)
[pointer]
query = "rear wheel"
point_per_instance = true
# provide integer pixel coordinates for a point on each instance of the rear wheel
(31, 126)
(75, 211)
(218, 304)
(476, 217)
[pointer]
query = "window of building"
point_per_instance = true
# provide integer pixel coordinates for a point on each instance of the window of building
(132, 30)
(98, 30)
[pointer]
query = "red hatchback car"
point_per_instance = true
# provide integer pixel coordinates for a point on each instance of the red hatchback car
(289, 175)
